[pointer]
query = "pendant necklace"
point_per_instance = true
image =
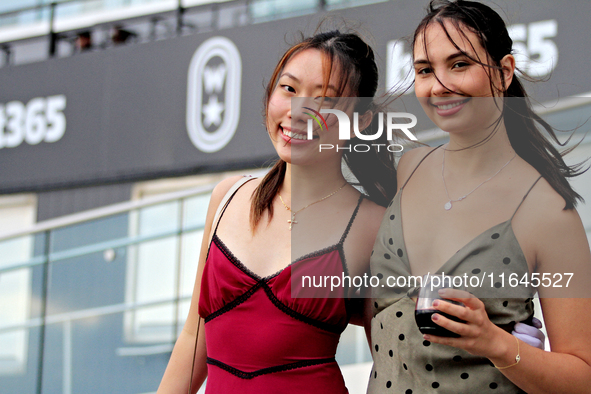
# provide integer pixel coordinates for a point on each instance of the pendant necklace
(292, 221)
(448, 204)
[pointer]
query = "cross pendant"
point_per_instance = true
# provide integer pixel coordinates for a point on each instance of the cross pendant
(292, 221)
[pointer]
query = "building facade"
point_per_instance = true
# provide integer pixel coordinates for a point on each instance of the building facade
(109, 152)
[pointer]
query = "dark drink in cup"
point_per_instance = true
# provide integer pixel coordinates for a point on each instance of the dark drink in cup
(424, 307)
(428, 326)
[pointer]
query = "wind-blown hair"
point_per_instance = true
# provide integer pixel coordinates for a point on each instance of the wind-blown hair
(522, 123)
(350, 56)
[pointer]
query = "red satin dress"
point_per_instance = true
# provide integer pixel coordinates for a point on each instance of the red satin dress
(259, 338)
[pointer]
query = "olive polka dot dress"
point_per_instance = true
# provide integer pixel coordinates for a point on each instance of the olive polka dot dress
(403, 361)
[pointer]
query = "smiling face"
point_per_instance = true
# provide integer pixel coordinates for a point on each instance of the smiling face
(302, 77)
(448, 78)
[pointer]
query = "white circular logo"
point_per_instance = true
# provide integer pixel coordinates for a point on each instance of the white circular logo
(213, 94)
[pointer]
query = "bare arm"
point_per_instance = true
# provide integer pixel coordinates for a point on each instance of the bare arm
(563, 247)
(178, 372)
(560, 245)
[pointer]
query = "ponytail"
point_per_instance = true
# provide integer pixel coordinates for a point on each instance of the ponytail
(262, 199)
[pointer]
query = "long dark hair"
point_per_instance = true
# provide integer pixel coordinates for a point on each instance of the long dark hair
(375, 169)
(521, 121)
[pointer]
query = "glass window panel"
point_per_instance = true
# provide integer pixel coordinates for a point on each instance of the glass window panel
(87, 281)
(15, 251)
(159, 219)
(89, 233)
(335, 4)
(268, 9)
(16, 212)
(153, 268)
(156, 270)
(154, 324)
(195, 211)
(14, 310)
(191, 248)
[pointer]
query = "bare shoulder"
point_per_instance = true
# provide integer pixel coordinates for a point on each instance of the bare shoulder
(369, 217)
(556, 234)
(361, 239)
(369, 210)
(409, 161)
(222, 188)
(544, 208)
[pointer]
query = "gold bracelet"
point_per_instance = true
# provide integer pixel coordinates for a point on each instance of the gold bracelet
(517, 358)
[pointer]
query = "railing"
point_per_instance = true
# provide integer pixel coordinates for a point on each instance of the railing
(106, 293)
(62, 28)
(89, 293)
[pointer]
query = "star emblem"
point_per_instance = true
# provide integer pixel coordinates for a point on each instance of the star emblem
(213, 112)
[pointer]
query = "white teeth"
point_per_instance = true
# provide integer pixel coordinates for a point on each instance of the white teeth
(294, 136)
(449, 106)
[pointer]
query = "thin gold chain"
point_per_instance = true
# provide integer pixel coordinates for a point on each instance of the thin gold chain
(292, 221)
(448, 204)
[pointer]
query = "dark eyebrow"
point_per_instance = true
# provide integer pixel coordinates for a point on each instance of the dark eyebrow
(286, 74)
(291, 76)
(449, 58)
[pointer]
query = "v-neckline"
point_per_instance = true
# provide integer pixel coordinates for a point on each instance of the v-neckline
(221, 245)
(465, 246)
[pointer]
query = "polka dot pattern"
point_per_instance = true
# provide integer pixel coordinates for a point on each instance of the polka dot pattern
(414, 365)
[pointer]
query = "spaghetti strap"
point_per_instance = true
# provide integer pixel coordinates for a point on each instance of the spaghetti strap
(227, 198)
(413, 171)
(524, 197)
(342, 240)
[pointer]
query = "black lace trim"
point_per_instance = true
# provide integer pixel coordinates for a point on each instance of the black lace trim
(316, 253)
(264, 371)
(235, 303)
(233, 259)
(346, 232)
(298, 316)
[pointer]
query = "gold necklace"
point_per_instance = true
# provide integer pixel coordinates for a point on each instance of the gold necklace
(449, 202)
(292, 221)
